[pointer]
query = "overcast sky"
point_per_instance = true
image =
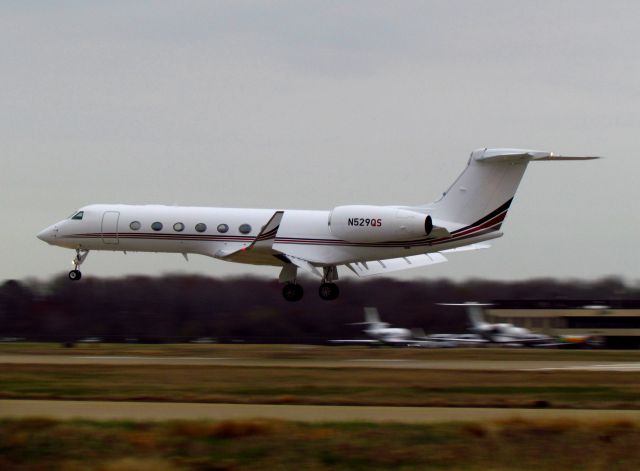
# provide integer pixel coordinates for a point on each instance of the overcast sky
(316, 104)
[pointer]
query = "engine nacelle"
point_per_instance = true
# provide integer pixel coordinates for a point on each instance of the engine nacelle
(360, 223)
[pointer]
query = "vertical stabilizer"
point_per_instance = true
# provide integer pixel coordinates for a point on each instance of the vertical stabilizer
(484, 190)
(371, 315)
(475, 315)
(474, 312)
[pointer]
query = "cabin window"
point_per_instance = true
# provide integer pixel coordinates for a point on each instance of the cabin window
(245, 228)
(222, 228)
(135, 225)
(156, 226)
(178, 227)
(78, 216)
(201, 227)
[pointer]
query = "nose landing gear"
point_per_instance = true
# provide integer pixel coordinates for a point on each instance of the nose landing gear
(75, 274)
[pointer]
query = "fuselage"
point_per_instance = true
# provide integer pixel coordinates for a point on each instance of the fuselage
(389, 334)
(366, 239)
(217, 232)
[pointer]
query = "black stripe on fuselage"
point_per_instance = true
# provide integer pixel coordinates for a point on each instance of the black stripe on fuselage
(486, 218)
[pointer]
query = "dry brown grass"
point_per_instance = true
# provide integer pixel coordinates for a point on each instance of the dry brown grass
(224, 429)
(138, 464)
(250, 445)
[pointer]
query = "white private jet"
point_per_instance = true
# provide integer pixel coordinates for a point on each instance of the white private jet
(366, 239)
(380, 333)
(503, 333)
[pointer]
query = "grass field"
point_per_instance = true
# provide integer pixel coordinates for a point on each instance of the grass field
(272, 384)
(338, 386)
(37, 444)
(320, 353)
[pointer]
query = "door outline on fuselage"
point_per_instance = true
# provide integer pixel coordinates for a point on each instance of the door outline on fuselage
(109, 227)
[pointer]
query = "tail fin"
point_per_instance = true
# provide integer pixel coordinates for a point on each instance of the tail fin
(475, 315)
(371, 315)
(483, 192)
(474, 311)
(418, 333)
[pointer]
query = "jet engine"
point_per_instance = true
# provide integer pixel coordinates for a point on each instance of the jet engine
(370, 224)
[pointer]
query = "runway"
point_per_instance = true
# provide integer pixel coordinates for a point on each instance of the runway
(152, 411)
(417, 364)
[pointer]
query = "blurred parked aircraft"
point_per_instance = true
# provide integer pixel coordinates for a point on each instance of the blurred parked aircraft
(503, 333)
(381, 333)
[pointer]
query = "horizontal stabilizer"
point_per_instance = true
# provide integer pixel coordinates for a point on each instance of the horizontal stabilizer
(375, 267)
(522, 155)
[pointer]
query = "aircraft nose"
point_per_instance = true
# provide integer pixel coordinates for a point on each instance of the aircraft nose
(48, 235)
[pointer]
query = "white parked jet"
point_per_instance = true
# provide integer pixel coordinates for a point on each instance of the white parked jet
(381, 333)
(502, 333)
(366, 239)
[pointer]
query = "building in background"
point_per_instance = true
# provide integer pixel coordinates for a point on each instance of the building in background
(616, 323)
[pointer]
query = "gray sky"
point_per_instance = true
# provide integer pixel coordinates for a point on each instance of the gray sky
(316, 104)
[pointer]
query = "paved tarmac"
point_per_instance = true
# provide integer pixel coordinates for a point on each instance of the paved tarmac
(151, 411)
(482, 365)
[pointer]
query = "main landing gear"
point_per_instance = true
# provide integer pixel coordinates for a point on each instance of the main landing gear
(293, 292)
(75, 274)
(329, 291)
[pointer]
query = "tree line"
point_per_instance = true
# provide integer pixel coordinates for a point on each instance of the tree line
(178, 308)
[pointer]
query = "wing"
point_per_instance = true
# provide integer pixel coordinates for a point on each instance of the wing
(466, 248)
(376, 267)
(302, 263)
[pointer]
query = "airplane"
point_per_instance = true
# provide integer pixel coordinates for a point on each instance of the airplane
(365, 239)
(503, 333)
(381, 333)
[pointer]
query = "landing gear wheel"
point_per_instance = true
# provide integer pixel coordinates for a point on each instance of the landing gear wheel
(75, 275)
(329, 291)
(292, 292)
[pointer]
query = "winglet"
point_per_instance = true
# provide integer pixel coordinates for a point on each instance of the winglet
(265, 237)
(269, 231)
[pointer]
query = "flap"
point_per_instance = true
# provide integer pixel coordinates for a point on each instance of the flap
(466, 248)
(376, 267)
(304, 264)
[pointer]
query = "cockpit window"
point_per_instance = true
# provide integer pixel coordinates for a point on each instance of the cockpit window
(78, 216)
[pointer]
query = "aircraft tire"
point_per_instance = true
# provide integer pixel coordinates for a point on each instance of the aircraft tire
(75, 275)
(292, 292)
(329, 291)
